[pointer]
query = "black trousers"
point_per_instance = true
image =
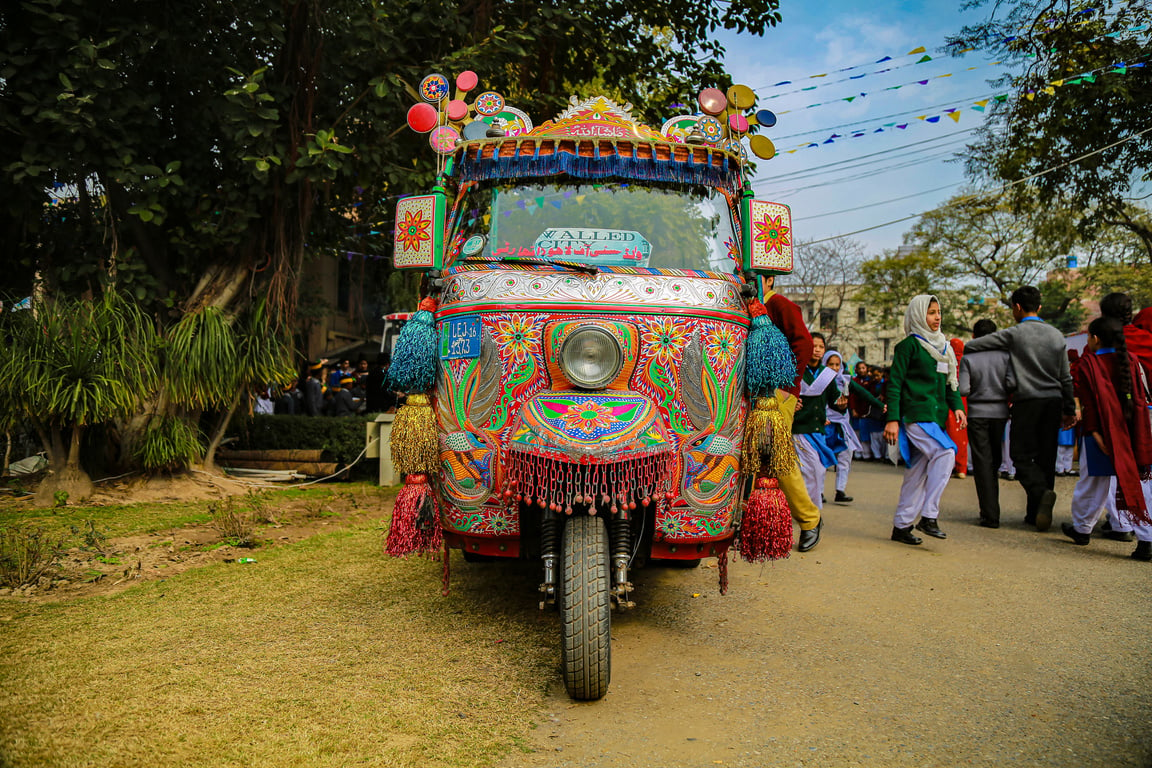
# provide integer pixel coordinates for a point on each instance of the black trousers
(1035, 426)
(986, 442)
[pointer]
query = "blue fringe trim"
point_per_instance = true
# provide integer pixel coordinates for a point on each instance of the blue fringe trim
(599, 166)
(416, 357)
(770, 361)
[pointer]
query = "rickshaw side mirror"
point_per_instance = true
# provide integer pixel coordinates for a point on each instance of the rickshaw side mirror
(767, 235)
(418, 242)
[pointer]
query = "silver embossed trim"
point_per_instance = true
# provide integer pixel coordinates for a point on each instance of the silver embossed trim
(514, 286)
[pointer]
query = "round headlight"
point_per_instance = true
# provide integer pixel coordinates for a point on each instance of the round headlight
(591, 358)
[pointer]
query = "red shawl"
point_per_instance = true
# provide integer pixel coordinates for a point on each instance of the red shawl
(1129, 443)
(1138, 337)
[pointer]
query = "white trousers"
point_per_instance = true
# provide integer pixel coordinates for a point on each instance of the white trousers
(811, 469)
(865, 451)
(1064, 458)
(924, 480)
(1091, 497)
(879, 447)
(843, 467)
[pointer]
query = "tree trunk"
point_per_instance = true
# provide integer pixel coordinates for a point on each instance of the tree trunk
(218, 433)
(7, 453)
(69, 479)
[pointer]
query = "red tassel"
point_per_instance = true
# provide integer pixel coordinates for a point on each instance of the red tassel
(428, 304)
(415, 523)
(756, 308)
(766, 531)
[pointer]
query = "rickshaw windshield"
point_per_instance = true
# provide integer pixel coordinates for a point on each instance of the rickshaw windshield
(614, 223)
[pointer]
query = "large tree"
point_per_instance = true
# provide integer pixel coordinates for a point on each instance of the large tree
(1084, 89)
(193, 154)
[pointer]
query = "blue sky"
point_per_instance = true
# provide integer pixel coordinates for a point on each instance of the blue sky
(909, 167)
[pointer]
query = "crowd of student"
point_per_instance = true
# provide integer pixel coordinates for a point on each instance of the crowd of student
(1012, 403)
(327, 388)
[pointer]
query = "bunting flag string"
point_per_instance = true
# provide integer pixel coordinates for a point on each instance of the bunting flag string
(1118, 68)
(918, 50)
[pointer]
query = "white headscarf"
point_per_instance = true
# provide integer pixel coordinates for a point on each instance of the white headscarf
(842, 378)
(935, 342)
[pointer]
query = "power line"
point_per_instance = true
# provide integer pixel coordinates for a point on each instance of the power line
(902, 147)
(989, 193)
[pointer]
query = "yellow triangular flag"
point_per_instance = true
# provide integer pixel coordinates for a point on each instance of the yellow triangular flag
(1057, 83)
(921, 49)
(921, 117)
(1030, 96)
(955, 116)
(982, 103)
(1050, 91)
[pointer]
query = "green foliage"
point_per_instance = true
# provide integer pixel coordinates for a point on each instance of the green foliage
(71, 362)
(90, 537)
(201, 370)
(168, 443)
(60, 499)
(27, 552)
(1057, 43)
(182, 140)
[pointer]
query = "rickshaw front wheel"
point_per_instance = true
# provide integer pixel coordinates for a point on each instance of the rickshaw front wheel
(586, 610)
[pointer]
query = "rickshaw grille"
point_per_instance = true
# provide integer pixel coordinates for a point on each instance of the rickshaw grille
(565, 486)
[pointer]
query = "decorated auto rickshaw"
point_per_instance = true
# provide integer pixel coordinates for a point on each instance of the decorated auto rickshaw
(589, 377)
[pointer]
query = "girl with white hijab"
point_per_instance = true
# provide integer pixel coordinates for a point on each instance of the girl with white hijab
(839, 434)
(922, 389)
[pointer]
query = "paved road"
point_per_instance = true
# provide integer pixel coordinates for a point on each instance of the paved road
(991, 648)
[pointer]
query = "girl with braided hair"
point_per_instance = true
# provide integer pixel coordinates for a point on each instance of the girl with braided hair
(1117, 437)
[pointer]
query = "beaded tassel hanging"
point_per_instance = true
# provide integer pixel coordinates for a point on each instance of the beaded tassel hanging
(415, 526)
(415, 359)
(770, 361)
(767, 445)
(766, 530)
(415, 443)
(563, 485)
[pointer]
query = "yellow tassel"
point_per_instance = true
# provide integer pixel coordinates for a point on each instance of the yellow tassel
(767, 442)
(415, 440)
(782, 453)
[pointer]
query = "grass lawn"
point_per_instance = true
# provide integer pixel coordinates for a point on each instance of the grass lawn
(324, 653)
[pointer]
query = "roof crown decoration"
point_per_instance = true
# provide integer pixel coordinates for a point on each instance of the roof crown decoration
(598, 116)
(721, 123)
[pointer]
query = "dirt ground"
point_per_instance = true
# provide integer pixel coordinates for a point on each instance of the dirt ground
(121, 562)
(993, 647)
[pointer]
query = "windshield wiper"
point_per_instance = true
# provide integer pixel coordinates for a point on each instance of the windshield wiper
(588, 269)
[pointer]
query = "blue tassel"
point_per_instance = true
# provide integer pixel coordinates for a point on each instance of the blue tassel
(770, 361)
(416, 356)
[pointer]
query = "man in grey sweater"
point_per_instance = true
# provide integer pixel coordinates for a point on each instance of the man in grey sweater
(1042, 404)
(987, 379)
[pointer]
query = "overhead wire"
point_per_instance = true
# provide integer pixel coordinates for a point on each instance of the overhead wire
(986, 193)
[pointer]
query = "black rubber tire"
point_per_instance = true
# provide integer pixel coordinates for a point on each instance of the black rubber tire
(586, 608)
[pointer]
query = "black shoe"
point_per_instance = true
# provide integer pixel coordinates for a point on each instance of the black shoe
(810, 538)
(989, 523)
(1143, 552)
(1118, 535)
(842, 498)
(905, 536)
(1080, 539)
(1003, 475)
(928, 525)
(1044, 511)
